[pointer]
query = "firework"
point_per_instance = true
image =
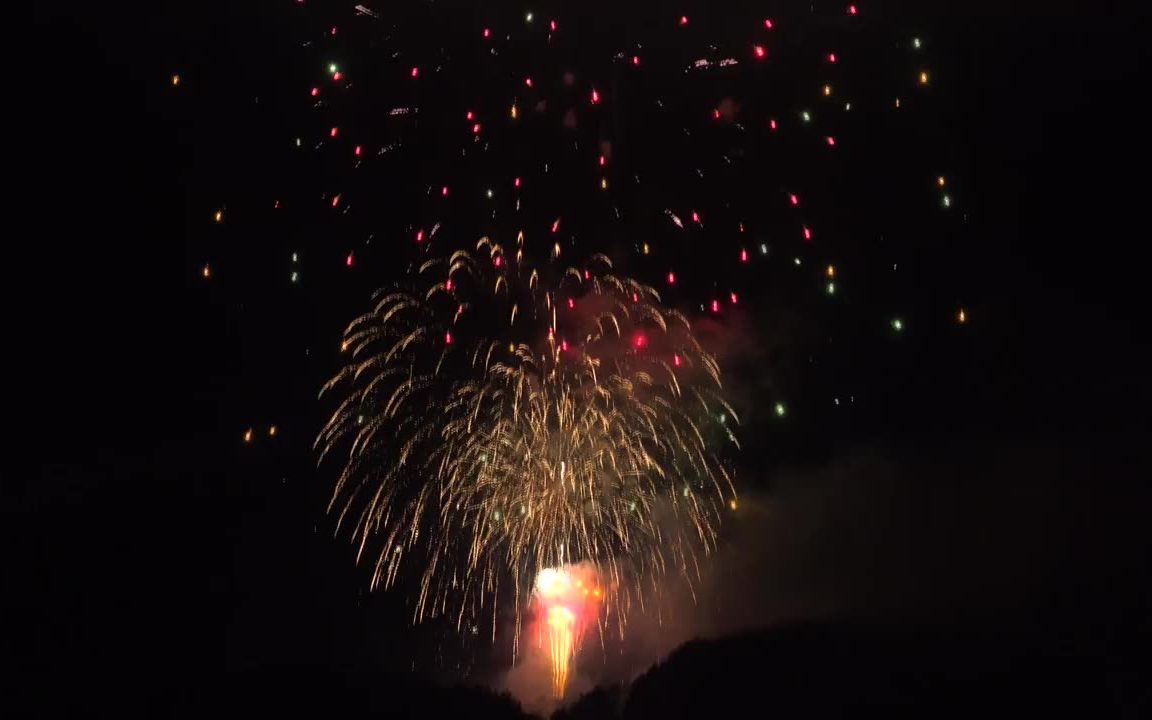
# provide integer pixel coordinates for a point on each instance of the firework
(502, 417)
(567, 599)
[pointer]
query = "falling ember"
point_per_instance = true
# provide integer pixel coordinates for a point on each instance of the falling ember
(961, 317)
(206, 271)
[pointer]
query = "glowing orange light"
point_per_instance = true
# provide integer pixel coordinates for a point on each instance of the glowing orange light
(830, 272)
(962, 317)
(248, 435)
(272, 430)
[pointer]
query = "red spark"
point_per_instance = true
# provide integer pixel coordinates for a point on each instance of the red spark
(552, 25)
(807, 233)
(595, 96)
(348, 260)
(767, 24)
(415, 71)
(332, 132)
(468, 115)
(444, 191)
(486, 32)
(476, 128)
(831, 57)
(641, 341)
(793, 199)
(716, 113)
(571, 303)
(448, 337)
(851, 9)
(695, 217)
(671, 278)
(333, 29)
(555, 224)
(635, 59)
(733, 297)
(772, 123)
(743, 255)
(498, 261)
(336, 75)
(357, 150)
(419, 236)
(683, 19)
(528, 81)
(830, 140)
(715, 306)
(448, 284)
(315, 91)
(564, 346)
(759, 50)
(676, 360)
(602, 160)
(516, 182)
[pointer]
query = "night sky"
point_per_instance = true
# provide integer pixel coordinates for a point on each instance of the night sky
(898, 463)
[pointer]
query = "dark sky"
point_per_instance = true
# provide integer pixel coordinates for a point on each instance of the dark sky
(1002, 477)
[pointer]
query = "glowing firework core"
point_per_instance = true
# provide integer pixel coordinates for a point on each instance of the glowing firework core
(568, 598)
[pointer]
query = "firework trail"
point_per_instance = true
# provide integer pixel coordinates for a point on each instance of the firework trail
(502, 417)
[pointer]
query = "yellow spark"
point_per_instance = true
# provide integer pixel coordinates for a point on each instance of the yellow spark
(830, 271)
(897, 103)
(603, 183)
(207, 271)
(940, 181)
(923, 77)
(732, 504)
(827, 90)
(513, 111)
(248, 435)
(175, 80)
(645, 248)
(272, 430)
(962, 317)
(219, 216)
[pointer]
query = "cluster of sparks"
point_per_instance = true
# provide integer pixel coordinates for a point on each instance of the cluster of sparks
(504, 414)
